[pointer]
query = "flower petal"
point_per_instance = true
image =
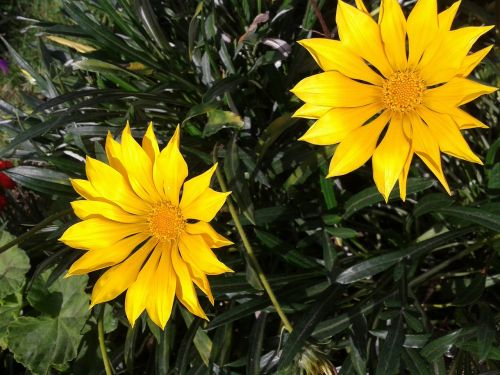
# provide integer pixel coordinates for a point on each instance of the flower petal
(333, 89)
(359, 32)
(84, 188)
(446, 17)
(97, 233)
(139, 168)
(448, 135)
(150, 144)
(361, 6)
(390, 157)
(195, 186)
(138, 292)
(311, 111)
(170, 169)
(337, 123)
(118, 278)
(456, 92)
(86, 209)
(112, 185)
(211, 237)
(205, 206)
(422, 27)
(97, 259)
(448, 58)
(201, 281)
(464, 120)
(333, 55)
(357, 147)
(473, 60)
(393, 32)
(114, 154)
(403, 177)
(195, 251)
(185, 291)
(427, 148)
(162, 293)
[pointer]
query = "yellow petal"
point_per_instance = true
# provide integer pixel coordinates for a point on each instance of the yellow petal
(118, 278)
(150, 144)
(97, 233)
(456, 92)
(446, 17)
(205, 206)
(211, 237)
(114, 154)
(86, 209)
(170, 169)
(112, 185)
(311, 111)
(337, 123)
(361, 6)
(201, 281)
(195, 186)
(139, 168)
(162, 293)
(427, 148)
(84, 188)
(357, 147)
(448, 135)
(94, 260)
(185, 291)
(448, 58)
(422, 27)
(473, 60)
(359, 32)
(195, 251)
(464, 120)
(138, 293)
(403, 177)
(390, 157)
(333, 55)
(79, 47)
(333, 89)
(393, 31)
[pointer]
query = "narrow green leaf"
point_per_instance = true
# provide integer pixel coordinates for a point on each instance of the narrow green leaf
(479, 216)
(256, 340)
(390, 354)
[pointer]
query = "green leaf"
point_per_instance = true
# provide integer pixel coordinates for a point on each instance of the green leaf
(10, 308)
(436, 348)
(201, 340)
(218, 120)
(371, 195)
(432, 202)
(472, 292)
(14, 264)
(479, 216)
(486, 332)
(256, 340)
(390, 354)
(380, 263)
(42, 180)
(415, 363)
(58, 330)
(342, 232)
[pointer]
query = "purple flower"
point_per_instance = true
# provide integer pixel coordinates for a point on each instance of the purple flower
(4, 66)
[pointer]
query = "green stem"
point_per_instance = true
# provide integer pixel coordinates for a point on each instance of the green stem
(42, 224)
(102, 344)
(251, 255)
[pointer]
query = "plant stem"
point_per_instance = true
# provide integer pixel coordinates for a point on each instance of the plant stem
(42, 224)
(319, 16)
(251, 255)
(102, 344)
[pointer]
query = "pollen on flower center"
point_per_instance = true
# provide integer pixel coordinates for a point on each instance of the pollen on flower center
(166, 221)
(403, 91)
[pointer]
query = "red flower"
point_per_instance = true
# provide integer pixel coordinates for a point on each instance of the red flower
(5, 181)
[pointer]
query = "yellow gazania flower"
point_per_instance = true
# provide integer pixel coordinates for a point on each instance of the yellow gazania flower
(133, 222)
(370, 81)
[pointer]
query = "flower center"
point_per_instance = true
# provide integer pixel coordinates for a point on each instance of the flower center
(403, 91)
(166, 221)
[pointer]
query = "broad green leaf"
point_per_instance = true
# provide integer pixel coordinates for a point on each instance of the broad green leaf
(218, 120)
(10, 308)
(479, 216)
(58, 329)
(14, 264)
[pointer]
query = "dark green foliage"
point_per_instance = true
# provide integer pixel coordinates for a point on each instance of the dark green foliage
(397, 288)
